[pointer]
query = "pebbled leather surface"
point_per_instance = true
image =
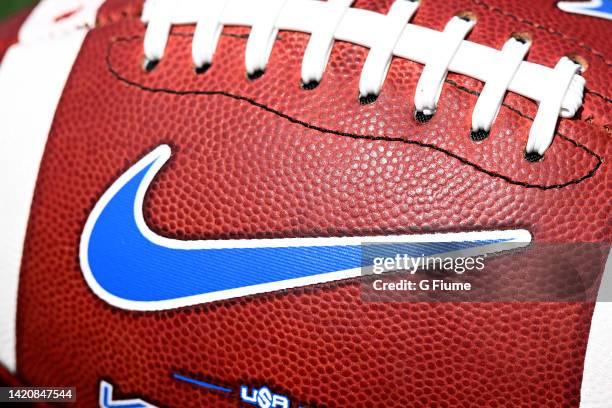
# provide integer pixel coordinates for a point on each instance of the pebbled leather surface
(114, 10)
(267, 159)
(448, 132)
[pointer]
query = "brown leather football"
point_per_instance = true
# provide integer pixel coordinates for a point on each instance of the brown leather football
(186, 185)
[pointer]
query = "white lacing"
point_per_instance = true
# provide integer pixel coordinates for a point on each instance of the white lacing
(378, 61)
(322, 40)
(492, 95)
(558, 91)
(432, 78)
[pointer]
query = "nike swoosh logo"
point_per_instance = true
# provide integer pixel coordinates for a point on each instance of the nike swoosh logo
(594, 8)
(131, 267)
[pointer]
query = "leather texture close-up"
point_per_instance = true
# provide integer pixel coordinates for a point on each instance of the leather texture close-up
(265, 158)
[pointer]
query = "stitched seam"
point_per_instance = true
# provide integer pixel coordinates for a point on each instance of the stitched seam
(595, 93)
(463, 88)
(600, 55)
(125, 15)
(291, 119)
(279, 38)
(520, 113)
(582, 45)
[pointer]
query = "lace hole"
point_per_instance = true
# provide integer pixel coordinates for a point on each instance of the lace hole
(467, 16)
(255, 74)
(149, 65)
(579, 60)
(201, 69)
(309, 86)
(367, 99)
(522, 37)
(479, 135)
(422, 117)
(533, 157)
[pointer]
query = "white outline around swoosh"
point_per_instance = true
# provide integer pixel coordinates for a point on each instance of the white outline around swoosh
(159, 156)
(585, 8)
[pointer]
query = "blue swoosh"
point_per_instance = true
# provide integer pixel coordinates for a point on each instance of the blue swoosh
(129, 266)
(595, 8)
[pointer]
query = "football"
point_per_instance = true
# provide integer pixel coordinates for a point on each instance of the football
(234, 203)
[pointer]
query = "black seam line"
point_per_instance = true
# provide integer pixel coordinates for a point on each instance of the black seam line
(581, 44)
(523, 115)
(279, 38)
(512, 108)
(595, 93)
(498, 10)
(291, 119)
